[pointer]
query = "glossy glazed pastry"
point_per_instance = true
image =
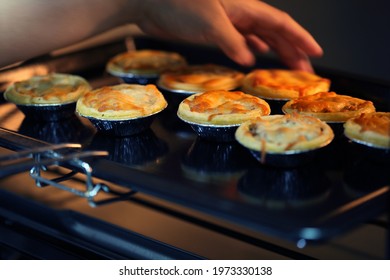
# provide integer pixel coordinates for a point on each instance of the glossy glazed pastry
(372, 129)
(283, 134)
(222, 107)
(121, 102)
(200, 78)
(144, 62)
(283, 84)
(51, 89)
(329, 106)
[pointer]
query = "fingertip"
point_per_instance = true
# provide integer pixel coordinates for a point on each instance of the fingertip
(234, 45)
(304, 65)
(246, 58)
(317, 51)
(257, 44)
(242, 56)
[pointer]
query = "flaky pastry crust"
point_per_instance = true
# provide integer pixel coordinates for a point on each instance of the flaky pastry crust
(145, 62)
(121, 102)
(284, 134)
(222, 107)
(51, 89)
(329, 106)
(283, 84)
(200, 78)
(372, 129)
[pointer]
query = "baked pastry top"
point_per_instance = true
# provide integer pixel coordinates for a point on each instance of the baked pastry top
(52, 89)
(144, 62)
(372, 129)
(329, 106)
(121, 102)
(222, 107)
(283, 84)
(199, 78)
(284, 134)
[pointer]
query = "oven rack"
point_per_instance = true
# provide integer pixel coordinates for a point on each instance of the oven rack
(39, 159)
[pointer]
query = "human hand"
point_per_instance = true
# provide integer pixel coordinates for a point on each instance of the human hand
(236, 27)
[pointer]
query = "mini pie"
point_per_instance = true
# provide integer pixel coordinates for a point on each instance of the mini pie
(200, 78)
(121, 102)
(145, 62)
(282, 134)
(329, 106)
(283, 84)
(51, 89)
(222, 107)
(372, 129)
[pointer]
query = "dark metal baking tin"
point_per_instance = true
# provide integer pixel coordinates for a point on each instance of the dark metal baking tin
(130, 78)
(173, 96)
(48, 112)
(223, 133)
(287, 159)
(142, 80)
(180, 91)
(275, 104)
(122, 127)
(370, 151)
(138, 149)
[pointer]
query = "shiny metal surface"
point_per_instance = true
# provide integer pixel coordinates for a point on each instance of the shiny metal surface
(213, 199)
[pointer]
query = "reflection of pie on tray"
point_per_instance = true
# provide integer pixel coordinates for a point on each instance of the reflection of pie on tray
(284, 133)
(372, 129)
(283, 84)
(199, 78)
(221, 107)
(123, 101)
(284, 188)
(329, 106)
(51, 89)
(145, 62)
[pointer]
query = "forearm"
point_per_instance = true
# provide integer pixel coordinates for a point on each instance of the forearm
(30, 28)
(33, 27)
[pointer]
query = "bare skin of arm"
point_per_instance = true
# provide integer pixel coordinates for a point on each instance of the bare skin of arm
(238, 28)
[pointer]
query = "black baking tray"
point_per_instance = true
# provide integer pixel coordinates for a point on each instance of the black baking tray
(337, 191)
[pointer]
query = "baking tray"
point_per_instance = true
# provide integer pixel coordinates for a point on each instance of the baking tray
(338, 191)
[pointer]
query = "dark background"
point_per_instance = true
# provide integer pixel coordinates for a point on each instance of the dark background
(355, 35)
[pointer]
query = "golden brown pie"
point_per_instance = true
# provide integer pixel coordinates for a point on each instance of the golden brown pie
(145, 62)
(200, 78)
(51, 89)
(222, 107)
(372, 129)
(284, 133)
(121, 102)
(283, 84)
(329, 106)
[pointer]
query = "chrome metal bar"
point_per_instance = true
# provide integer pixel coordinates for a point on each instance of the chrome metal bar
(38, 159)
(73, 159)
(38, 150)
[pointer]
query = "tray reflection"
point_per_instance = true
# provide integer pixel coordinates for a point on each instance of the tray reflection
(70, 130)
(365, 175)
(215, 161)
(276, 188)
(137, 149)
